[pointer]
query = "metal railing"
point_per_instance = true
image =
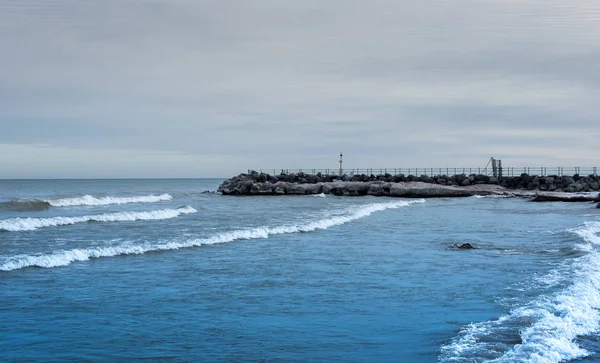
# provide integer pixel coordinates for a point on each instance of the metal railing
(506, 171)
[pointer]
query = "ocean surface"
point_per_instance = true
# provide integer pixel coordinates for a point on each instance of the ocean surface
(170, 271)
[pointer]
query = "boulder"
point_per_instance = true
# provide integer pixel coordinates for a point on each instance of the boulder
(357, 188)
(571, 188)
(296, 189)
(563, 197)
(316, 188)
(464, 246)
(279, 189)
(261, 189)
(375, 189)
(426, 179)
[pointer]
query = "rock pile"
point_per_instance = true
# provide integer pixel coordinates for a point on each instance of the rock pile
(255, 183)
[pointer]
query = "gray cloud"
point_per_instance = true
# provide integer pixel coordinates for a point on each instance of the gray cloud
(216, 87)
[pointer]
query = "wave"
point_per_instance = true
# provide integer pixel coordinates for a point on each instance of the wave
(25, 205)
(37, 205)
(92, 201)
(545, 329)
(64, 258)
(30, 224)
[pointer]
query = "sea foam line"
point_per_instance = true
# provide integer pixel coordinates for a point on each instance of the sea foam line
(553, 322)
(30, 224)
(91, 200)
(66, 257)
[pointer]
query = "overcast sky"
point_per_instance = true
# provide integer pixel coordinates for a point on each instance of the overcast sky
(199, 88)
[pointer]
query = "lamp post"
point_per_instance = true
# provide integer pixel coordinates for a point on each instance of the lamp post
(341, 169)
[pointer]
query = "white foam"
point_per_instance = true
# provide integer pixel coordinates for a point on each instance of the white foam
(491, 196)
(589, 232)
(30, 224)
(63, 258)
(321, 195)
(91, 200)
(552, 322)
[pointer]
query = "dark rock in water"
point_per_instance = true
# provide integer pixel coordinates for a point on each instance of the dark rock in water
(464, 246)
(598, 205)
(562, 197)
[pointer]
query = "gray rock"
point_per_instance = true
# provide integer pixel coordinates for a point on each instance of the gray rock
(314, 188)
(357, 188)
(375, 189)
(563, 197)
(464, 246)
(296, 189)
(426, 179)
(570, 188)
(279, 189)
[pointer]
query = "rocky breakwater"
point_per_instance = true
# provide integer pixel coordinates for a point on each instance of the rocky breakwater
(256, 183)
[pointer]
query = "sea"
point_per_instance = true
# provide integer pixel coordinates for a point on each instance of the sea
(169, 270)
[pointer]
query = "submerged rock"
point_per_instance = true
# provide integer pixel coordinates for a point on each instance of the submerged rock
(464, 246)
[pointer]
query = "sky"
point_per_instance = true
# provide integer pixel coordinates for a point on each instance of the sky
(211, 88)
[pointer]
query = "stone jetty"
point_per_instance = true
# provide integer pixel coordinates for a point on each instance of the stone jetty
(546, 188)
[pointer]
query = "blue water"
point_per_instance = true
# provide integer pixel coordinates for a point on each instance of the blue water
(160, 270)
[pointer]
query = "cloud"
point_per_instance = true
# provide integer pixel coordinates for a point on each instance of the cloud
(290, 84)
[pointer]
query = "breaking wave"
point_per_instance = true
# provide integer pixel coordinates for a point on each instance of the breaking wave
(91, 200)
(30, 224)
(64, 258)
(545, 329)
(36, 205)
(25, 205)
